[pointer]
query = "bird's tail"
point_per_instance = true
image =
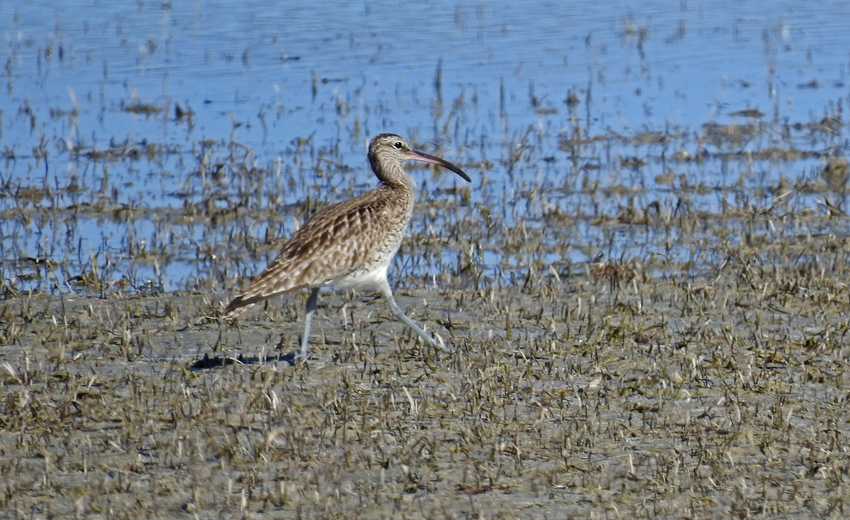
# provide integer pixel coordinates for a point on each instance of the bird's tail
(236, 307)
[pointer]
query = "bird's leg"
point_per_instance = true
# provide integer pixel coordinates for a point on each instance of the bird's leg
(311, 309)
(396, 310)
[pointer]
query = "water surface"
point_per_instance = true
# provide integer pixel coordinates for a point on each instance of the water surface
(119, 119)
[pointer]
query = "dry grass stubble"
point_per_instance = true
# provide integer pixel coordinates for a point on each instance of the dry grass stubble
(617, 395)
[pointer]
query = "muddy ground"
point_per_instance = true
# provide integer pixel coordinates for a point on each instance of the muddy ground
(613, 390)
(643, 289)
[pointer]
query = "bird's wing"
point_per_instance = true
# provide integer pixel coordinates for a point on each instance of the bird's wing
(337, 241)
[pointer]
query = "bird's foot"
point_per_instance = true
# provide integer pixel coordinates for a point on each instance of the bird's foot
(300, 358)
(438, 343)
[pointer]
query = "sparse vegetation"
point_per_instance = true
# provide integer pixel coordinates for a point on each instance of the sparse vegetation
(646, 323)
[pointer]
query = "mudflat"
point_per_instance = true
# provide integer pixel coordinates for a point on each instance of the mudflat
(622, 390)
(643, 289)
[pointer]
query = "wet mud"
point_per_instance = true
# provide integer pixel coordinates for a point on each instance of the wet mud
(703, 377)
(646, 319)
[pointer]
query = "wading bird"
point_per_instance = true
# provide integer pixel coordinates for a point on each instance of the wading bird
(349, 244)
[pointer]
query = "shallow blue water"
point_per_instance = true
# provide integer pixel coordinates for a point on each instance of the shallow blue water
(265, 74)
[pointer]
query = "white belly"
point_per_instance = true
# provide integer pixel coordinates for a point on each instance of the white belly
(371, 279)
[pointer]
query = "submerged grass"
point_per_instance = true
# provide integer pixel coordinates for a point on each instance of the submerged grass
(650, 325)
(640, 355)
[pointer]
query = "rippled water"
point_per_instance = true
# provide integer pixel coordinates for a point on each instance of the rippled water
(484, 84)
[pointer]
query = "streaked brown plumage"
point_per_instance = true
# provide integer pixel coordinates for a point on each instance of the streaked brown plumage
(350, 244)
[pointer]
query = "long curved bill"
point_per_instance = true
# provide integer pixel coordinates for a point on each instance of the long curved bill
(416, 155)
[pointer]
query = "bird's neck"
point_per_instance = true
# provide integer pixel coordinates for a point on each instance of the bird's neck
(393, 176)
(402, 195)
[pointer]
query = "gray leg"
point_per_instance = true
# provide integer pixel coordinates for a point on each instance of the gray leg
(311, 309)
(396, 310)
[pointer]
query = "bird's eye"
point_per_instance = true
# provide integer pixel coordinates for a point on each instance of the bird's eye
(398, 145)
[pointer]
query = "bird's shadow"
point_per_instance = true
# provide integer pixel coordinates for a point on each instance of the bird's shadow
(220, 361)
